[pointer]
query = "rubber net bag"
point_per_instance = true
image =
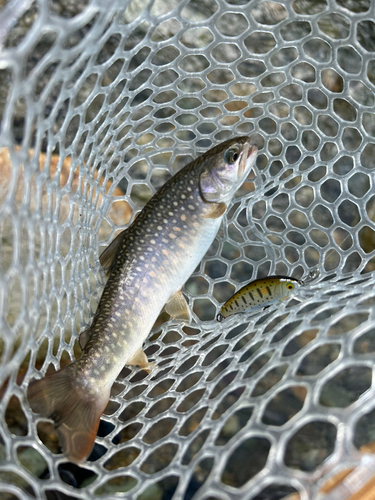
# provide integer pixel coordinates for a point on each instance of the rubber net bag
(101, 102)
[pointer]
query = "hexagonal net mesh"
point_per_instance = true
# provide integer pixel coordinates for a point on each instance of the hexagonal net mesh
(101, 103)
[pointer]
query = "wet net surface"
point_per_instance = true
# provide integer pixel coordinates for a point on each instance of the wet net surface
(100, 105)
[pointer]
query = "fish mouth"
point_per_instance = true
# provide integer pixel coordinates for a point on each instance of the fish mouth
(251, 151)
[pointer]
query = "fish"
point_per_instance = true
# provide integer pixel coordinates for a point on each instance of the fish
(147, 264)
(260, 293)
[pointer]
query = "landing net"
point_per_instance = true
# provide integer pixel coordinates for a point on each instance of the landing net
(100, 103)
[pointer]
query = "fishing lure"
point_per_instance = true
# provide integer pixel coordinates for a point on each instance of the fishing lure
(258, 294)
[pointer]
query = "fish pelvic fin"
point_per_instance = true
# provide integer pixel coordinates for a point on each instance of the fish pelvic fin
(75, 411)
(140, 359)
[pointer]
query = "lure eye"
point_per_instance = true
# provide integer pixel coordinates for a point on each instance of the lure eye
(290, 286)
(231, 156)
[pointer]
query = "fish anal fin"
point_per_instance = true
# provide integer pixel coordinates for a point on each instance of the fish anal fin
(108, 255)
(84, 337)
(178, 308)
(75, 411)
(215, 211)
(140, 359)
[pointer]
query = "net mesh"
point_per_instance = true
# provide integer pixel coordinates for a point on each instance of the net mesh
(101, 102)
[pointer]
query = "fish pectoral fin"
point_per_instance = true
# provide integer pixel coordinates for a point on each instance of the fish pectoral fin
(216, 211)
(108, 256)
(84, 337)
(178, 308)
(140, 359)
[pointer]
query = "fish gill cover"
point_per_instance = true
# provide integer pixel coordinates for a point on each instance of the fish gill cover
(101, 103)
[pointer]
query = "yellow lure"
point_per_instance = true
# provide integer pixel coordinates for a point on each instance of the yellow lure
(259, 293)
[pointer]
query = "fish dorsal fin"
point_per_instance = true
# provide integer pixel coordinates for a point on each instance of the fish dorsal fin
(216, 211)
(107, 257)
(177, 307)
(84, 337)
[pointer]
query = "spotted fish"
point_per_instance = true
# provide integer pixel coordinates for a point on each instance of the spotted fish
(147, 264)
(259, 293)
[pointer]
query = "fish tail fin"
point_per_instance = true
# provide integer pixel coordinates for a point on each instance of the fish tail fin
(74, 409)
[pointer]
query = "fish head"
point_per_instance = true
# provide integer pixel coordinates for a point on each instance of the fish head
(225, 168)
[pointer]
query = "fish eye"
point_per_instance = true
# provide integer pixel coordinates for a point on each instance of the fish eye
(231, 156)
(290, 286)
